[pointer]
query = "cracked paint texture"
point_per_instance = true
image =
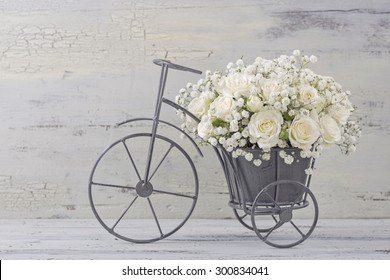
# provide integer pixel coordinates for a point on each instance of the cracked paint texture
(70, 70)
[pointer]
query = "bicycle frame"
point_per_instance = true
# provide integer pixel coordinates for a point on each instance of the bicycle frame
(165, 64)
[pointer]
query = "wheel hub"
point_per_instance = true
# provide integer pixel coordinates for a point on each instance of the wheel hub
(285, 215)
(144, 190)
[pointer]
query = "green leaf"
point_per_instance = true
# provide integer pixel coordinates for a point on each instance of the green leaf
(218, 122)
(287, 117)
(283, 135)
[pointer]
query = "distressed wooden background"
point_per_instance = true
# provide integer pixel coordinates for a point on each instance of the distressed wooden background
(70, 69)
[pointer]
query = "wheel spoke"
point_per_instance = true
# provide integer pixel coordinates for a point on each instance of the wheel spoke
(301, 233)
(112, 186)
(161, 161)
(271, 230)
(243, 216)
(131, 159)
(273, 200)
(273, 217)
(155, 217)
(176, 194)
(124, 213)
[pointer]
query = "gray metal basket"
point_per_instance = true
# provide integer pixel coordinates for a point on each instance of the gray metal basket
(245, 180)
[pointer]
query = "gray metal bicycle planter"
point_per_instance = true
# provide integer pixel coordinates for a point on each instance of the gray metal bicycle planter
(142, 178)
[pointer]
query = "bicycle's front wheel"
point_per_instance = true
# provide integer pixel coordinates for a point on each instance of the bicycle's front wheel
(132, 210)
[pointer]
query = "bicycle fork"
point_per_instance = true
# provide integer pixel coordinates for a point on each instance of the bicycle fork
(156, 117)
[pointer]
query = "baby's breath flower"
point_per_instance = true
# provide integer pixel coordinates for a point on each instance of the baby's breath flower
(237, 135)
(249, 156)
(213, 141)
(245, 114)
(266, 156)
(296, 53)
(313, 59)
(309, 171)
(289, 159)
(242, 143)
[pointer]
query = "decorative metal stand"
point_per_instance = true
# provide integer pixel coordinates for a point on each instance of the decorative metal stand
(266, 199)
(137, 170)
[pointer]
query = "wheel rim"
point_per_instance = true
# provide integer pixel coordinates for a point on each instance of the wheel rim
(246, 220)
(292, 220)
(143, 214)
(243, 218)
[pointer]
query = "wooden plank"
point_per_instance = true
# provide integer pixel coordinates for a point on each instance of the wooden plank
(198, 239)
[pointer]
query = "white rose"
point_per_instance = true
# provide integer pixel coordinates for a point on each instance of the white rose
(330, 129)
(304, 131)
(205, 128)
(269, 88)
(308, 96)
(236, 85)
(254, 104)
(222, 108)
(199, 105)
(340, 113)
(265, 127)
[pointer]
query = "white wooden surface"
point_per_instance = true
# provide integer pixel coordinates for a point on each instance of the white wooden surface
(198, 239)
(70, 69)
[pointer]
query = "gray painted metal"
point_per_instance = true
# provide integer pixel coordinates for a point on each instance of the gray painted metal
(275, 189)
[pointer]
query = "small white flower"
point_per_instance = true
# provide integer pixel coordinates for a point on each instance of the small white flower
(286, 101)
(351, 148)
(289, 159)
(309, 171)
(233, 127)
(237, 135)
(249, 156)
(245, 132)
(266, 156)
(313, 59)
(257, 162)
(245, 114)
(242, 143)
(296, 53)
(240, 62)
(213, 141)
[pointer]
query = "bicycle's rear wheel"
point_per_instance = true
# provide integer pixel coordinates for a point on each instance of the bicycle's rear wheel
(138, 212)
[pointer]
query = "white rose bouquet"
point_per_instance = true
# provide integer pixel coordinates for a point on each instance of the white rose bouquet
(268, 104)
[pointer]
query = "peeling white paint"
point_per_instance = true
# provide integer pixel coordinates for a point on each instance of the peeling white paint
(70, 70)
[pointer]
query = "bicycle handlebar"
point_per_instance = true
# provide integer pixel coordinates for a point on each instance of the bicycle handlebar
(169, 64)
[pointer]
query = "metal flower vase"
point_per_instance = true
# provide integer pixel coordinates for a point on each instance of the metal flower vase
(271, 195)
